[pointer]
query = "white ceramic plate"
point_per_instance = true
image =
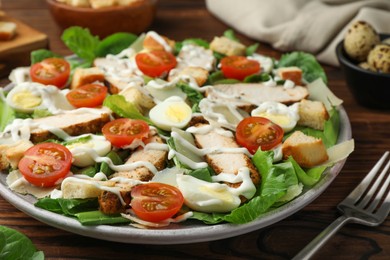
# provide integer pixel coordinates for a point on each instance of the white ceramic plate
(181, 233)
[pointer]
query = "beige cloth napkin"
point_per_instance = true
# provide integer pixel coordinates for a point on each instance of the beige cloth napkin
(314, 26)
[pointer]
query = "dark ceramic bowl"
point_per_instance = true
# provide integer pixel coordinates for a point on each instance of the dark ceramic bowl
(135, 18)
(370, 89)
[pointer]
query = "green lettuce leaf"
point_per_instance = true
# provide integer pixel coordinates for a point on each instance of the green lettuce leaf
(7, 114)
(119, 105)
(81, 42)
(311, 176)
(41, 54)
(310, 67)
(193, 96)
(67, 207)
(330, 133)
(231, 35)
(115, 43)
(97, 217)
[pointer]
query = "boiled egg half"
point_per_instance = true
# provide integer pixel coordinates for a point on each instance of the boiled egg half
(28, 96)
(284, 116)
(207, 196)
(172, 112)
(85, 152)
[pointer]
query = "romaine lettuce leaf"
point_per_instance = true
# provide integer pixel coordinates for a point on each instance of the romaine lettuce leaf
(119, 105)
(7, 114)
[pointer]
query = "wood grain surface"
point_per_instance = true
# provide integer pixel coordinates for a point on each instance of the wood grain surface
(179, 19)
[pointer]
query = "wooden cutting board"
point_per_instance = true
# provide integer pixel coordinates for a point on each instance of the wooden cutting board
(16, 52)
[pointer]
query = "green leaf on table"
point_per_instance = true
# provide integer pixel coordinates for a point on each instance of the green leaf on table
(15, 245)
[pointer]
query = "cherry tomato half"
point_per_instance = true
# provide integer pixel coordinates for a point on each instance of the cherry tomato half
(155, 63)
(45, 163)
(156, 201)
(90, 95)
(123, 131)
(239, 67)
(254, 132)
(51, 71)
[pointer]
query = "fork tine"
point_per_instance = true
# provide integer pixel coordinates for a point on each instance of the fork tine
(385, 207)
(384, 210)
(373, 188)
(356, 194)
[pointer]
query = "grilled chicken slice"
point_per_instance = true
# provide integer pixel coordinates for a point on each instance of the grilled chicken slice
(225, 162)
(72, 124)
(156, 157)
(249, 95)
(109, 203)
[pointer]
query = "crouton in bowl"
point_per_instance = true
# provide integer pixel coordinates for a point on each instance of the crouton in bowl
(104, 17)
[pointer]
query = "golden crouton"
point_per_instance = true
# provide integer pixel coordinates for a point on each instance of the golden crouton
(199, 74)
(10, 154)
(226, 46)
(152, 43)
(291, 73)
(83, 76)
(102, 3)
(306, 150)
(142, 101)
(312, 114)
(77, 3)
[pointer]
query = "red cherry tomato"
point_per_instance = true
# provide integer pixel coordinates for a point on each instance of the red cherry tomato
(45, 164)
(90, 95)
(155, 63)
(239, 67)
(254, 132)
(51, 71)
(156, 201)
(124, 131)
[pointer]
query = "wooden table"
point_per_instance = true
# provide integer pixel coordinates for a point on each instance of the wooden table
(179, 20)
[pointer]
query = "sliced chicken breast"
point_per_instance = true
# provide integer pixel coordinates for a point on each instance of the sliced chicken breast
(247, 95)
(72, 124)
(225, 162)
(156, 157)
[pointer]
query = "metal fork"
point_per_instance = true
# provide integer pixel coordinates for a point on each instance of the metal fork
(367, 204)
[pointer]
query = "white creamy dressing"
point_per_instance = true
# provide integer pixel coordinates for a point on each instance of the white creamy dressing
(226, 115)
(246, 188)
(160, 40)
(266, 63)
(20, 75)
(192, 55)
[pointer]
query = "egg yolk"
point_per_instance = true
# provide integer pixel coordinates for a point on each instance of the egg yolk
(278, 119)
(176, 113)
(25, 99)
